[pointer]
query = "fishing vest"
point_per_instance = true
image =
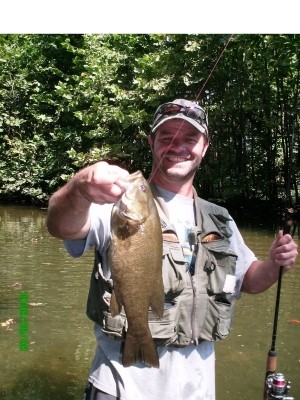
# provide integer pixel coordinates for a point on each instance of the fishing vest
(197, 307)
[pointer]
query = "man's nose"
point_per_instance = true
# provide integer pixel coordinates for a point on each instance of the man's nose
(175, 143)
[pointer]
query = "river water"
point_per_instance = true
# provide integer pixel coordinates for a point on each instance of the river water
(60, 337)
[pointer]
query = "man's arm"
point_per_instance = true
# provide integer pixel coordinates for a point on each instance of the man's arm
(68, 208)
(263, 274)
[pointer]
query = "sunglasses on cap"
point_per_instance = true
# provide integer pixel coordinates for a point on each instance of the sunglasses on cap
(168, 109)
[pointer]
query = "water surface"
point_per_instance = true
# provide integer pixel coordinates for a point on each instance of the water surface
(60, 336)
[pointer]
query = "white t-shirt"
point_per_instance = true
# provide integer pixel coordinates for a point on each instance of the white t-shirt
(184, 373)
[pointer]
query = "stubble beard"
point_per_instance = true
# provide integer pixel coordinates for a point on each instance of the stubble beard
(175, 174)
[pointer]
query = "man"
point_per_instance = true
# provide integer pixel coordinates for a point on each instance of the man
(79, 213)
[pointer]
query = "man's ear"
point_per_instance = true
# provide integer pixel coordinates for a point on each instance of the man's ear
(150, 141)
(206, 146)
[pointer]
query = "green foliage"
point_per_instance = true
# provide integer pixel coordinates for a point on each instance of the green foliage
(70, 100)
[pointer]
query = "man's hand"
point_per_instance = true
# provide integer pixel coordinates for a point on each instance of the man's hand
(68, 208)
(262, 274)
(284, 251)
(101, 183)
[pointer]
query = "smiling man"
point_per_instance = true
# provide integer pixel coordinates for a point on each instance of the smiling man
(206, 264)
(178, 143)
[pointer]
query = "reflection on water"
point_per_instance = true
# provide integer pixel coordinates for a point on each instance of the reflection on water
(61, 341)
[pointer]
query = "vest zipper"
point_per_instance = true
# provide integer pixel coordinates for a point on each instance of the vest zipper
(193, 240)
(193, 338)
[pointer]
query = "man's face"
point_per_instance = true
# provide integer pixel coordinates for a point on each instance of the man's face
(178, 148)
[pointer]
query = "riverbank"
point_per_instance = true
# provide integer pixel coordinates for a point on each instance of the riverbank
(238, 209)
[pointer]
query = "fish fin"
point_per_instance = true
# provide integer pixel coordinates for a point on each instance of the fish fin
(140, 349)
(157, 303)
(115, 305)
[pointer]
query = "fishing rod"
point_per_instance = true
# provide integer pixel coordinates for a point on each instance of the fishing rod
(276, 386)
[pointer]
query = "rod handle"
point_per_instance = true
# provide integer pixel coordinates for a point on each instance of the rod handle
(271, 362)
(270, 369)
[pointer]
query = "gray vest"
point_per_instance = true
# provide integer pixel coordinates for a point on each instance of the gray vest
(198, 307)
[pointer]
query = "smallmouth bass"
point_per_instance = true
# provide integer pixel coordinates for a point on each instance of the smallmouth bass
(136, 264)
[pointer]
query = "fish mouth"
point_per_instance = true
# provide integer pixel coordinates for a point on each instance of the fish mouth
(130, 216)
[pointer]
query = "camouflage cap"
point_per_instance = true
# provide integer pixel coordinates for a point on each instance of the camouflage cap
(187, 110)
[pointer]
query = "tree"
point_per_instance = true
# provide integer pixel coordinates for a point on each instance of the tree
(69, 100)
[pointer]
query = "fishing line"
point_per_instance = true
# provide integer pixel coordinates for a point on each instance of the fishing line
(214, 67)
(195, 100)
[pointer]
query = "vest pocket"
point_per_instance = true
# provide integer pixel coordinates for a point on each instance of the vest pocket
(220, 267)
(213, 320)
(163, 330)
(114, 327)
(221, 322)
(215, 282)
(174, 268)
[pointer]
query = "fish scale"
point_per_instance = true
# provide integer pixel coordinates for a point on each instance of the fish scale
(136, 264)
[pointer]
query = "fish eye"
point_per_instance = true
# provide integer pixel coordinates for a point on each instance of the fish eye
(143, 188)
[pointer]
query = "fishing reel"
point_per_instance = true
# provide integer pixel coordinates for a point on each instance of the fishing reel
(277, 387)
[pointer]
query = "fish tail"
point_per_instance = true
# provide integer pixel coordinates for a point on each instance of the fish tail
(140, 348)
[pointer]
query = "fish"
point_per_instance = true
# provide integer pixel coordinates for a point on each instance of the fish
(136, 267)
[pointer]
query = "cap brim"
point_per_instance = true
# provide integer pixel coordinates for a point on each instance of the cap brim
(185, 118)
